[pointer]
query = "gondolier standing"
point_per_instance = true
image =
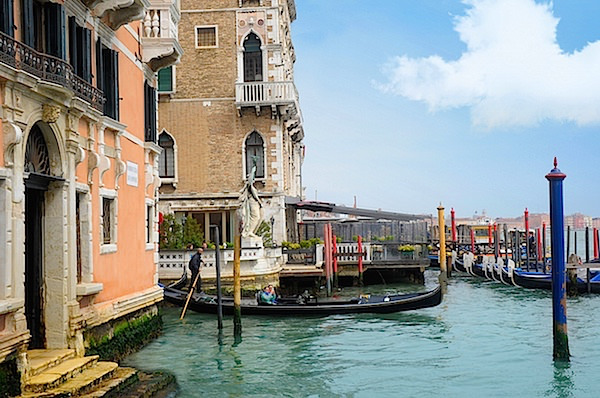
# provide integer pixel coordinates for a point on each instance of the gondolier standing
(194, 266)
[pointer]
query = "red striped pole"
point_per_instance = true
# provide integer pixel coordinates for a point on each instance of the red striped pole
(595, 242)
(490, 234)
(453, 225)
(539, 243)
(335, 259)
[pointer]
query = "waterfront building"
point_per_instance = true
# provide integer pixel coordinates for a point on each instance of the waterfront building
(78, 167)
(230, 102)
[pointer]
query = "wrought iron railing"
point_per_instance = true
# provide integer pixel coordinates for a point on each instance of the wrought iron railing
(48, 68)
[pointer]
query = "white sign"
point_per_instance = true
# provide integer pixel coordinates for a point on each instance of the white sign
(132, 174)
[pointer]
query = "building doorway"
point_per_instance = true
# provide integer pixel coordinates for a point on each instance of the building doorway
(34, 262)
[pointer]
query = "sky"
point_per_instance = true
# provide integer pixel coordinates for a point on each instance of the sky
(411, 103)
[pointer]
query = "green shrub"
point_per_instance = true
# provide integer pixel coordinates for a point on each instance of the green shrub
(191, 233)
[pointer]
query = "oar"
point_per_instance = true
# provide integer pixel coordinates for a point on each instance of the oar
(189, 296)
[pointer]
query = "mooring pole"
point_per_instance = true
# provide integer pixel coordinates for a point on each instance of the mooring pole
(595, 238)
(526, 218)
(544, 246)
(568, 239)
(587, 258)
(559, 282)
(473, 241)
(490, 234)
(335, 259)
(442, 253)
(360, 261)
(218, 270)
(505, 230)
(327, 235)
(453, 225)
(237, 286)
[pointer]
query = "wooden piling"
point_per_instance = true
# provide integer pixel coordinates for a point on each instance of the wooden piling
(559, 296)
(237, 286)
(360, 261)
(218, 271)
(442, 252)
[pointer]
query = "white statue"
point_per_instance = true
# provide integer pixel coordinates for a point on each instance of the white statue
(251, 208)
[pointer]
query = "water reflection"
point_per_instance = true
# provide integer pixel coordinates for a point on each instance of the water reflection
(562, 385)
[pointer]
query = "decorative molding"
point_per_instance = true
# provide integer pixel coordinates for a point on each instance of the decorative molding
(120, 169)
(50, 113)
(13, 135)
(93, 163)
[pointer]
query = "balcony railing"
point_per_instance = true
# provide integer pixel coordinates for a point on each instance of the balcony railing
(48, 68)
(159, 35)
(265, 93)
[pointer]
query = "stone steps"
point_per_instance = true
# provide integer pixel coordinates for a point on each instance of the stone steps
(59, 373)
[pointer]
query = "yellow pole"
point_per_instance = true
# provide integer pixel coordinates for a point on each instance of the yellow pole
(442, 253)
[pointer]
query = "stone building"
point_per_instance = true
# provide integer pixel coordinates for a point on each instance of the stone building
(78, 167)
(232, 99)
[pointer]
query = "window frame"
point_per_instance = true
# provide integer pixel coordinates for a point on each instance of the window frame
(168, 180)
(246, 171)
(111, 247)
(215, 27)
(173, 80)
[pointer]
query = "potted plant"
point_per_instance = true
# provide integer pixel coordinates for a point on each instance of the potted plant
(406, 251)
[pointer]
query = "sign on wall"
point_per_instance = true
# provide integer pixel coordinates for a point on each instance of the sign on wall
(132, 174)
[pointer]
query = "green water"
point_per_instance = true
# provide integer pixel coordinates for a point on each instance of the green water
(484, 340)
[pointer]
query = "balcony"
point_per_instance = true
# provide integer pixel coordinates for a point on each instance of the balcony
(277, 95)
(119, 12)
(159, 35)
(48, 68)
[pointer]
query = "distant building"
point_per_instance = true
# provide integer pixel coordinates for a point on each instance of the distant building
(578, 221)
(78, 167)
(231, 102)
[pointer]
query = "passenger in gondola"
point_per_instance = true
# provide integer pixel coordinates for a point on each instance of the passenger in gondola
(268, 295)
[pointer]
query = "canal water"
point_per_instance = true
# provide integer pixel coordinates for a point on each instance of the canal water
(484, 340)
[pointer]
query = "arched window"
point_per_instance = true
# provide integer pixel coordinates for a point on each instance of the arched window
(253, 64)
(166, 162)
(255, 150)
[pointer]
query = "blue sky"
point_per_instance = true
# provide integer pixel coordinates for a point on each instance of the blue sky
(409, 103)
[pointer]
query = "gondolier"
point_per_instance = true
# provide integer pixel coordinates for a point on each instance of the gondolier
(194, 266)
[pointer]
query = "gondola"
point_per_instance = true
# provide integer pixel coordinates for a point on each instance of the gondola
(380, 304)
(539, 280)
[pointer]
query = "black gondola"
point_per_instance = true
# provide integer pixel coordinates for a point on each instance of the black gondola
(538, 280)
(381, 304)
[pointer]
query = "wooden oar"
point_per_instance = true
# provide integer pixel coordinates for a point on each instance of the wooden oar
(189, 296)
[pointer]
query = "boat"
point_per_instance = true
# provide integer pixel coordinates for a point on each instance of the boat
(309, 305)
(539, 280)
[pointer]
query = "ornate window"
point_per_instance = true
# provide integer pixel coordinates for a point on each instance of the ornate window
(166, 161)
(37, 159)
(253, 63)
(255, 149)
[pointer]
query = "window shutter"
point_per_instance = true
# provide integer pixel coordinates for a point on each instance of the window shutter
(28, 35)
(165, 79)
(73, 50)
(115, 80)
(55, 29)
(99, 66)
(86, 70)
(6, 19)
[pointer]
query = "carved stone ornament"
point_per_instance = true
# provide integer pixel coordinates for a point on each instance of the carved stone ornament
(50, 113)
(120, 169)
(13, 135)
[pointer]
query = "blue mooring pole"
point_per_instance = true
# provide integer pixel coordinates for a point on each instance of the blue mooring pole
(559, 281)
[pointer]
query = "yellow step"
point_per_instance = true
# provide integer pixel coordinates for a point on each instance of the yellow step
(54, 376)
(40, 360)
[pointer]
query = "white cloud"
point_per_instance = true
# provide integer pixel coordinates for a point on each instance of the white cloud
(513, 72)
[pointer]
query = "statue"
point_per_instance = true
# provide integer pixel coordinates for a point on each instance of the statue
(251, 205)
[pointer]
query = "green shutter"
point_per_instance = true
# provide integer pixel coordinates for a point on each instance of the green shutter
(165, 79)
